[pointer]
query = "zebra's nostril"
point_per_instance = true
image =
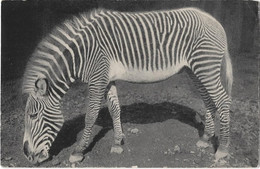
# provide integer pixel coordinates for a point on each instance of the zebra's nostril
(26, 148)
(30, 158)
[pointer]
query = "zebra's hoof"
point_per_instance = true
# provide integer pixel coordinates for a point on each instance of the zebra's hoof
(116, 149)
(123, 136)
(77, 157)
(221, 153)
(202, 144)
(120, 141)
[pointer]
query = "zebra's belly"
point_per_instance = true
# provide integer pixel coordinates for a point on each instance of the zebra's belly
(119, 72)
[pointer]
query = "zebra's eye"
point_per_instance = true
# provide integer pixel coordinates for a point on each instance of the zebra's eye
(33, 116)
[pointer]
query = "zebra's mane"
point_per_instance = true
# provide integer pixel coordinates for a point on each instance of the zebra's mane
(31, 73)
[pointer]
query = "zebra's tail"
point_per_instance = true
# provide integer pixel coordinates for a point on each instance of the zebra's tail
(228, 72)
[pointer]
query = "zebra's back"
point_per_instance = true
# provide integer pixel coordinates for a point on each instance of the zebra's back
(149, 46)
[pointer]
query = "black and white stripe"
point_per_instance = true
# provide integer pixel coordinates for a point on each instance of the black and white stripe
(103, 46)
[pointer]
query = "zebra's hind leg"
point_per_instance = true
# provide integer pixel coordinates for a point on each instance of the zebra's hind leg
(224, 139)
(222, 101)
(96, 94)
(209, 129)
(114, 109)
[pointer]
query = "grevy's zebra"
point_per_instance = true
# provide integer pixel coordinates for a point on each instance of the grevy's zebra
(104, 46)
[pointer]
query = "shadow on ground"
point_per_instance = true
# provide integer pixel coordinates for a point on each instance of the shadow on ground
(138, 113)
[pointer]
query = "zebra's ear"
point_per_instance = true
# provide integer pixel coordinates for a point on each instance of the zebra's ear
(41, 87)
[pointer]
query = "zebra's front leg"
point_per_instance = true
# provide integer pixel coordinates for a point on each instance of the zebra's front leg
(90, 118)
(114, 109)
(96, 95)
(209, 130)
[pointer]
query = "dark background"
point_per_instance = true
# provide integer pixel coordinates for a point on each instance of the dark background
(24, 23)
(165, 111)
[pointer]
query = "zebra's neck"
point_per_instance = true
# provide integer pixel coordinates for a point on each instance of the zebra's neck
(62, 56)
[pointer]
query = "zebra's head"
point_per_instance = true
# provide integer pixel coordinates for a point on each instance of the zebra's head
(43, 121)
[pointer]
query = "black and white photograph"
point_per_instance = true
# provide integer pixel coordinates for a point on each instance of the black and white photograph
(130, 83)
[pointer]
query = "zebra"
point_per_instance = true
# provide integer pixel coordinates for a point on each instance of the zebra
(103, 46)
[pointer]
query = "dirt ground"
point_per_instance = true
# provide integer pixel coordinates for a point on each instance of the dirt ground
(163, 115)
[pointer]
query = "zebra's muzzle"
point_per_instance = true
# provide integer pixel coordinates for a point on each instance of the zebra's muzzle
(35, 158)
(42, 156)
(27, 152)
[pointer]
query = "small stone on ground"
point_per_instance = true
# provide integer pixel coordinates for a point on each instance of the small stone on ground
(177, 149)
(134, 131)
(202, 144)
(8, 158)
(11, 165)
